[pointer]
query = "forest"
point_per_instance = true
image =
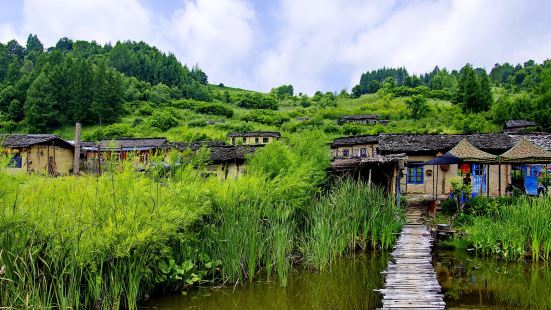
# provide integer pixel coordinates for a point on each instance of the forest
(113, 89)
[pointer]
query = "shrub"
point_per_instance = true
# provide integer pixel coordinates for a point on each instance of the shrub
(266, 117)
(215, 109)
(257, 101)
(163, 120)
(145, 109)
(110, 132)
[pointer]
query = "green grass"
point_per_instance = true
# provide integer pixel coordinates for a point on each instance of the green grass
(104, 242)
(514, 231)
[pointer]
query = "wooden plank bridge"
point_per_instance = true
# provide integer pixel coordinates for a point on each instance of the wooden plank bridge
(410, 279)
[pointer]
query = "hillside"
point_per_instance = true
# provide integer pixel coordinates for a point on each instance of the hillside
(134, 90)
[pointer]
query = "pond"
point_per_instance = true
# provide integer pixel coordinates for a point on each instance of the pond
(348, 284)
(487, 283)
(468, 283)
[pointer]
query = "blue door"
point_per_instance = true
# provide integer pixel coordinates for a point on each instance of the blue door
(531, 174)
(479, 179)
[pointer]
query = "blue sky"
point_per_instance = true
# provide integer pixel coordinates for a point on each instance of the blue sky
(312, 44)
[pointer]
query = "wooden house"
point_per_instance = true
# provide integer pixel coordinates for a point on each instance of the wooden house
(518, 126)
(226, 161)
(38, 153)
(488, 177)
(252, 137)
(365, 119)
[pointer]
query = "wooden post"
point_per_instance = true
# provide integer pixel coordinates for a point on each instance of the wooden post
(369, 178)
(76, 157)
(499, 177)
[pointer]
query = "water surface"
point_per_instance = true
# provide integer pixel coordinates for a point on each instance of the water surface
(348, 284)
(472, 282)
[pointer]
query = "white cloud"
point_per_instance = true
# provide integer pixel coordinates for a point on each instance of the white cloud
(317, 38)
(100, 20)
(7, 33)
(313, 44)
(219, 35)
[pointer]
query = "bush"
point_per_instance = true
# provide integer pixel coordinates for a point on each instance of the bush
(449, 207)
(256, 101)
(163, 120)
(110, 132)
(266, 117)
(215, 109)
(145, 109)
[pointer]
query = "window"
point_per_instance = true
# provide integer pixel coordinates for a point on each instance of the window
(415, 175)
(265, 140)
(256, 140)
(363, 152)
(16, 161)
(345, 153)
(244, 140)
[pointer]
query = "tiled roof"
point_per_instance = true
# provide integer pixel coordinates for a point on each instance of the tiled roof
(25, 140)
(274, 134)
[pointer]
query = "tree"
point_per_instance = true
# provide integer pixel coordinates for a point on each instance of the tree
(64, 44)
(34, 44)
(39, 112)
(283, 92)
(356, 91)
(484, 95)
(418, 106)
(373, 86)
(468, 90)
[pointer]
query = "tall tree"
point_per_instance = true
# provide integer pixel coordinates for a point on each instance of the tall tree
(34, 44)
(39, 106)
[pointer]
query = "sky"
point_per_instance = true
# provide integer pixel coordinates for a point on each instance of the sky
(312, 44)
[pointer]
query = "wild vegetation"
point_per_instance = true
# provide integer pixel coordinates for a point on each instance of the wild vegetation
(133, 89)
(512, 228)
(107, 241)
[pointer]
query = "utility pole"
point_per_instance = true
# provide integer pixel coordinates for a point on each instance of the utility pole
(76, 158)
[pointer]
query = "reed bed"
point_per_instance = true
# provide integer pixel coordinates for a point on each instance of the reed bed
(516, 231)
(105, 242)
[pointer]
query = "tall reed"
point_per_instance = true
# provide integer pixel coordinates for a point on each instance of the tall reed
(515, 231)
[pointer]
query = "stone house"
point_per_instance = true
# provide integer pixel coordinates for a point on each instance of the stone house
(253, 137)
(38, 153)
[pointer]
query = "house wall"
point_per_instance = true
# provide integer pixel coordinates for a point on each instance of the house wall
(226, 171)
(250, 140)
(35, 159)
(354, 150)
(443, 179)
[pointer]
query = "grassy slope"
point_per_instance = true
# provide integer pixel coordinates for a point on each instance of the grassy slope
(443, 118)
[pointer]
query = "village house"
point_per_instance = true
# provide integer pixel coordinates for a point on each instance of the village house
(226, 161)
(253, 137)
(518, 126)
(476, 157)
(38, 153)
(366, 119)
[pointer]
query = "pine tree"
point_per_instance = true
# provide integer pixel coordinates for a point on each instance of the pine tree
(34, 44)
(485, 97)
(39, 106)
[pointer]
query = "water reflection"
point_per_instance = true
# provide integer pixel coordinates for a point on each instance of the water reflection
(348, 284)
(472, 282)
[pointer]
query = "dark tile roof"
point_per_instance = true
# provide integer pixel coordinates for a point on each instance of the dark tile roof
(542, 139)
(133, 143)
(181, 146)
(231, 153)
(355, 140)
(494, 143)
(274, 134)
(26, 140)
(359, 117)
(517, 123)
